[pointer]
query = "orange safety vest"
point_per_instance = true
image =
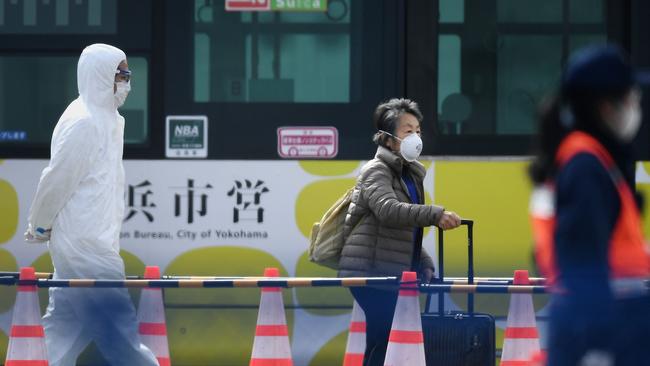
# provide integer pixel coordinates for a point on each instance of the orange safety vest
(628, 254)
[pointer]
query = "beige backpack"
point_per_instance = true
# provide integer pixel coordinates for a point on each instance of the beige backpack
(327, 239)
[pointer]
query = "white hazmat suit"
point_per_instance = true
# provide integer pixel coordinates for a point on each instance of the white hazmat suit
(80, 197)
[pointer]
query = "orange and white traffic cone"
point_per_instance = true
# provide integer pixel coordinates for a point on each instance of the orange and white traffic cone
(151, 319)
(406, 342)
(521, 339)
(271, 345)
(356, 346)
(27, 337)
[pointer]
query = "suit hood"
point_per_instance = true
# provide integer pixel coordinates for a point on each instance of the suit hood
(96, 74)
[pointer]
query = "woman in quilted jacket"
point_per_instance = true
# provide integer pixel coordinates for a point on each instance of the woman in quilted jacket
(384, 225)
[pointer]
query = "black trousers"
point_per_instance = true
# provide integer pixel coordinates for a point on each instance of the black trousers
(379, 307)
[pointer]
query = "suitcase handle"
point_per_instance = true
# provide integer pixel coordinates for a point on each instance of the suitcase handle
(470, 250)
(470, 266)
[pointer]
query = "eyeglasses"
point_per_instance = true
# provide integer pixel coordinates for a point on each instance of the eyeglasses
(122, 75)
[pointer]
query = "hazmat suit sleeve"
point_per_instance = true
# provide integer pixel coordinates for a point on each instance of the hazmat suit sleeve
(72, 152)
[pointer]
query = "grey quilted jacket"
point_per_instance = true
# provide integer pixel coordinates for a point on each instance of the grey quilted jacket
(381, 219)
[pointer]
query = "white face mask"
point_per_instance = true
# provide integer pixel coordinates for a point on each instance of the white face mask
(122, 91)
(630, 124)
(410, 147)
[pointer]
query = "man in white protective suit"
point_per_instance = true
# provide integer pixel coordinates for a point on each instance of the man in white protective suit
(78, 208)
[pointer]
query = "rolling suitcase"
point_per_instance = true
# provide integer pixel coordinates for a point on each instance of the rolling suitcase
(458, 338)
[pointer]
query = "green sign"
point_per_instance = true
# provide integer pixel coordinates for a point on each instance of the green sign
(299, 5)
(186, 137)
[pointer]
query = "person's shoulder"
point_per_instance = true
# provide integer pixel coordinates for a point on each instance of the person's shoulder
(78, 130)
(587, 183)
(583, 171)
(84, 125)
(584, 165)
(375, 173)
(373, 167)
(75, 117)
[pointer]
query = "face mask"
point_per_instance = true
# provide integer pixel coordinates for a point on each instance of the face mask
(410, 147)
(122, 91)
(630, 124)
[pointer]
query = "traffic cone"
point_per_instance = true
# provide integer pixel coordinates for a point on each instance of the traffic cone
(406, 343)
(271, 344)
(151, 319)
(521, 339)
(356, 346)
(27, 337)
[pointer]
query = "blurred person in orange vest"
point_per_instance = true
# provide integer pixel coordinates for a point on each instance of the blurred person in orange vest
(588, 235)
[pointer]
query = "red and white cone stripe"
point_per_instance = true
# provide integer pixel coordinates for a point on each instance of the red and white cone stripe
(521, 339)
(27, 337)
(406, 342)
(271, 345)
(356, 345)
(151, 319)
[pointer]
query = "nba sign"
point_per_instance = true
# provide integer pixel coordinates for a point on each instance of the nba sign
(186, 137)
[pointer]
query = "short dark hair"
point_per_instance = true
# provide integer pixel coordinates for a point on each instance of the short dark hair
(387, 115)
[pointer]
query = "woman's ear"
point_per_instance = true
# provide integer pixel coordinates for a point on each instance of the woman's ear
(389, 142)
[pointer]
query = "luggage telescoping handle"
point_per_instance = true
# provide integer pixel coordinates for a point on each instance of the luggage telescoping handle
(470, 265)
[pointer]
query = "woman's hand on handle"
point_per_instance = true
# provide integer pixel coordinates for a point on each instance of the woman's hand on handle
(449, 220)
(427, 275)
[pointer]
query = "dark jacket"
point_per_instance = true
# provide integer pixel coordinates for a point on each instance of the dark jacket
(588, 206)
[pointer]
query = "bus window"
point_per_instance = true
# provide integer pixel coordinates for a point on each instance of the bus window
(272, 57)
(58, 17)
(35, 90)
